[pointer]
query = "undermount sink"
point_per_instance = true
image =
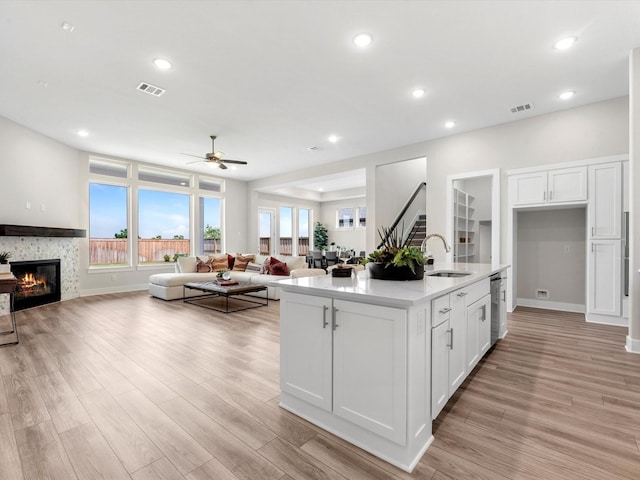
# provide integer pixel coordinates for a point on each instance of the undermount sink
(444, 273)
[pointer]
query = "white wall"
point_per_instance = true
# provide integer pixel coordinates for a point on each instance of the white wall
(43, 172)
(353, 238)
(551, 246)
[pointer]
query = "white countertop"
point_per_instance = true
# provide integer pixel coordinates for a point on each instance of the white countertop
(388, 292)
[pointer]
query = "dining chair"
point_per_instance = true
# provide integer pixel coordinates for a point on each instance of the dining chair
(330, 258)
(318, 259)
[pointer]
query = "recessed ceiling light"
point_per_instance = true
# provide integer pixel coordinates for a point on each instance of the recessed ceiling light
(67, 27)
(450, 124)
(233, 167)
(418, 93)
(43, 84)
(565, 43)
(333, 138)
(162, 64)
(320, 189)
(362, 40)
(567, 95)
(82, 133)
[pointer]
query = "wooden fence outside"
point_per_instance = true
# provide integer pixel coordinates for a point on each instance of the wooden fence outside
(109, 251)
(285, 246)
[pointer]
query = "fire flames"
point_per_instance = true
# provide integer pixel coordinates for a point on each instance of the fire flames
(29, 285)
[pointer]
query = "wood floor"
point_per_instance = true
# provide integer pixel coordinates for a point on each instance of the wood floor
(130, 387)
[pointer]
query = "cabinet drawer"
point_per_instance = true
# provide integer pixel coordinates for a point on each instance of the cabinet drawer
(476, 291)
(440, 310)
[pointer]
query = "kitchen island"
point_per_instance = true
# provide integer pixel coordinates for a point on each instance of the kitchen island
(374, 361)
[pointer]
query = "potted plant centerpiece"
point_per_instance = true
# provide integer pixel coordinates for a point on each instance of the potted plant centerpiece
(395, 259)
(4, 262)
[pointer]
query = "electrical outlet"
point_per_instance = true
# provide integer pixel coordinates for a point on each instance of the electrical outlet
(542, 293)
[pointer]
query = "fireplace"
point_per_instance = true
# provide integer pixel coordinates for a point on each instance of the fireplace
(38, 282)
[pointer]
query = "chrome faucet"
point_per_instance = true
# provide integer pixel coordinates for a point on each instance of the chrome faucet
(423, 247)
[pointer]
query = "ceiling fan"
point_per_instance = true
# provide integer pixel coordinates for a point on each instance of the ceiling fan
(215, 157)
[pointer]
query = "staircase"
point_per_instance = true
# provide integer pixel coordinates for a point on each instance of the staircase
(418, 231)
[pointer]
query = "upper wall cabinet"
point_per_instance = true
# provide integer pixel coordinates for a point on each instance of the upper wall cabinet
(550, 186)
(605, 201)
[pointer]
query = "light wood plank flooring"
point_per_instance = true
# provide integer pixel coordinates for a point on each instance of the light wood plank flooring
(130, 387)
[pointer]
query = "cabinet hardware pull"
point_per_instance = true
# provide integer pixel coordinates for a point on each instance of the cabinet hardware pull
(544, 196)
(593, 249)
(484, 313)
(450, 345)
(504, 295)
(593, 231)
(445, 310)
(550, 194)
(335, 323)
(462, 294)
(324, 316)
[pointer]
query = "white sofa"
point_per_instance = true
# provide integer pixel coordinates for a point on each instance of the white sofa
(169, 286)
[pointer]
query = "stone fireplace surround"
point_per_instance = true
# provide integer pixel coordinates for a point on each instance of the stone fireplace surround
(41, 243)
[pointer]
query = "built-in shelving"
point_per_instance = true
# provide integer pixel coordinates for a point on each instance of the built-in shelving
(464, 227)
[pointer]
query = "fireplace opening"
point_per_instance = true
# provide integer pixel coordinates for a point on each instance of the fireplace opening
(38, 283)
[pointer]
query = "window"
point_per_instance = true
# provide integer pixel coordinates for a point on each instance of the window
(344, 218)
(266, 230)
(303, 231)
(108, 225)
(362, 216)
(147, 174)
(211, 225)
(163, 225)
(286, 231)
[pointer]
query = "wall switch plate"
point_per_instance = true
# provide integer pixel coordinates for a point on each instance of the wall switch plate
(27, 205)
(43, 207)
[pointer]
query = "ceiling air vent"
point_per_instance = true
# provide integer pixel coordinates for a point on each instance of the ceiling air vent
(150, 89)
(522, 108)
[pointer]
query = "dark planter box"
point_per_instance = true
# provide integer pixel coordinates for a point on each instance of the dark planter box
(380, 272)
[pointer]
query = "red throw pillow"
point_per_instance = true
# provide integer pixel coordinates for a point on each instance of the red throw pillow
(230, 260)
(278, 268)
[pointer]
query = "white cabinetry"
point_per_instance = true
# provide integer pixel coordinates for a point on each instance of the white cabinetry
(605, 201)
(604, 278)
(452, 328)
(347, 358)
(552, 186)
(604, 261)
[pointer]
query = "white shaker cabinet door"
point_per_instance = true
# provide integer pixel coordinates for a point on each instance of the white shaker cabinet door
(440, 345)
(605, 201)
(305, 348)
(567, 185)
(528, 188)
(370, 365)
(604, 280)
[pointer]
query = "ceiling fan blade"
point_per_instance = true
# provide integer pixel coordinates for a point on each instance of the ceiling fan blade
(222, 165)
(239, 162)
(197, 156)
(198, 161)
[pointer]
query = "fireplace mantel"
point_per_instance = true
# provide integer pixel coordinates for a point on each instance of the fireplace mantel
(31, 231)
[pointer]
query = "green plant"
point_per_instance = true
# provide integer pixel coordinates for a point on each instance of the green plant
(167, 257)
(396, 251)
(175, 256)
(211, 232)
(320, 236)
(221, 272)
(123, 233)
(4, 257)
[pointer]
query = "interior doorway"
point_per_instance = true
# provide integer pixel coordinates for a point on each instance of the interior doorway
(473, 216)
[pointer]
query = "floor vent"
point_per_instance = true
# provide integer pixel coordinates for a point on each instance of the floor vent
(151, 89)
(522, 108)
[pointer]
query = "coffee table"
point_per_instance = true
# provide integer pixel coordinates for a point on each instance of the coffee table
(214, 289)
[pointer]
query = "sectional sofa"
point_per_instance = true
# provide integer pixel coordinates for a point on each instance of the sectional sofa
(169, 286)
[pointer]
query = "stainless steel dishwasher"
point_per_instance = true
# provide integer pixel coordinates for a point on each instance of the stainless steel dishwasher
(498, 306)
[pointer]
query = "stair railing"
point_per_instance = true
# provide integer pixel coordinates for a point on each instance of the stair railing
(406, 207)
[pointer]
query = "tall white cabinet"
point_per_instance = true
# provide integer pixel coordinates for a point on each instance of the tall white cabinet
(604, 253)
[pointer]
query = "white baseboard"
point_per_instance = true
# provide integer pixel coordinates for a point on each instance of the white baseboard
(561, 306)
(633, 345)
(114, 289)
(606, 319)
